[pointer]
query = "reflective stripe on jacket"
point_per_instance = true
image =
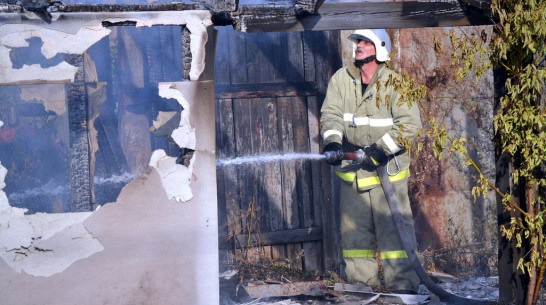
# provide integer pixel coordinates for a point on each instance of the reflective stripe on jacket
(377, 116)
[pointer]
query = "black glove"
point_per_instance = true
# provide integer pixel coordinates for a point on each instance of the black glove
(375, 156)
(335, 147)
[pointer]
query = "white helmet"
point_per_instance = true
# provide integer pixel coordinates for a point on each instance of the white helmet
(380, 39)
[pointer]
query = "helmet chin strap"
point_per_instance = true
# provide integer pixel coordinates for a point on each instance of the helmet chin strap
(361, 62)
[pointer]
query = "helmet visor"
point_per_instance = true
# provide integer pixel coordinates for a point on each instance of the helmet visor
(358, 37)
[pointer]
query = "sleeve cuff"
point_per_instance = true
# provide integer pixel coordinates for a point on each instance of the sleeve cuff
(391, 144)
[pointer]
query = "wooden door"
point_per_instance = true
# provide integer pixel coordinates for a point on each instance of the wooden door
(269, 88)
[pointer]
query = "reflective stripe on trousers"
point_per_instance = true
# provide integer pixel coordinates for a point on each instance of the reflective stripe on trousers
(360, 253)
(373, 180)
(366, 227)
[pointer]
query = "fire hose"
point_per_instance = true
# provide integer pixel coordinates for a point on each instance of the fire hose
(445, 296)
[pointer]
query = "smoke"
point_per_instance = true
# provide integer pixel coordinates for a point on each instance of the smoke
(51, 189)
(114, 179)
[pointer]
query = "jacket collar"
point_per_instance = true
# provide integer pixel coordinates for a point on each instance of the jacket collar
(354, 72)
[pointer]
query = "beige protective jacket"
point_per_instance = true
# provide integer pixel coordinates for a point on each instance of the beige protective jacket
(373, 117)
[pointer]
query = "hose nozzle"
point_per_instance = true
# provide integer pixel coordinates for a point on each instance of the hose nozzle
(358, 156)
(337, 155)
(333, 155)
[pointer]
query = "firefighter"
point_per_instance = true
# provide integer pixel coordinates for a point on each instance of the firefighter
(363, 110)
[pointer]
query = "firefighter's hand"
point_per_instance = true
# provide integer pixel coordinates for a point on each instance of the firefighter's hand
(333, 147)
(375, 156)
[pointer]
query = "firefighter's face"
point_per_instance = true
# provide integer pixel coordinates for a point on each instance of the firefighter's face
(364, 49)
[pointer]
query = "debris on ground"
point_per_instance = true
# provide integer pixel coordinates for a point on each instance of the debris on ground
(257, 290)
(323, 293)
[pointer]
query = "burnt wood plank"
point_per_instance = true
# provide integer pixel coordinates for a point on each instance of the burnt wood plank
(277, 237)
(304, 180)
(265, 90)
(280, 55)
(286, 131)
(268, 55)
(228, 208)
(310, 260)
(295, 255)
(238, 58)
(355, 15)
(278, 252)
(290, 127)
(313, 250)
(296, 62)
(222, 57)
(327, 60)
(266, 129)
(267, 183)
(298, 117)
(245, 172)
(309, 55)
(259, 129)
(252, 58)
(313, 115)
(260, 57)
(259, 67)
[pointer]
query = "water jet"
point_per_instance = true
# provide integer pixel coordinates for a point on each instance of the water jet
(269, 158)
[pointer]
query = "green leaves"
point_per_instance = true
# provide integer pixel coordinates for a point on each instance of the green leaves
(518, 47)
(471, 54)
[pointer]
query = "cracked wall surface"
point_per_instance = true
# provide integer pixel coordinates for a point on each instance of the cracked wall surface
(157, 243)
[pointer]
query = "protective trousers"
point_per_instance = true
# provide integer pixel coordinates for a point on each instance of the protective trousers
(366, 227)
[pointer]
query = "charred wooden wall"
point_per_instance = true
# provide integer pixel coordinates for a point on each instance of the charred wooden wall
(269, 89)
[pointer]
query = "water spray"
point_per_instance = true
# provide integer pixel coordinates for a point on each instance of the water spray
(269, 158)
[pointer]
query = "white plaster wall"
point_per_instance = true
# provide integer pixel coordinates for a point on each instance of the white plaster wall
(158, 243)
(156, 250)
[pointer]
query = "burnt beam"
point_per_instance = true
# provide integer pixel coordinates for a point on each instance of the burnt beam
(80, 177)
(272, 238)
(186, 51)
(99, 8)
(220, 6)
(307, 6)
(347, 16)
(265, 90)
(299, 15)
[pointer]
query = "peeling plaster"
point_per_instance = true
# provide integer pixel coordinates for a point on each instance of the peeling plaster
(175, 178)
(54, 42)
(165, 123)
(45, 244)
(195, 21)
(59, 38)
(52, 96)
(184, 135)
(42, 244)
